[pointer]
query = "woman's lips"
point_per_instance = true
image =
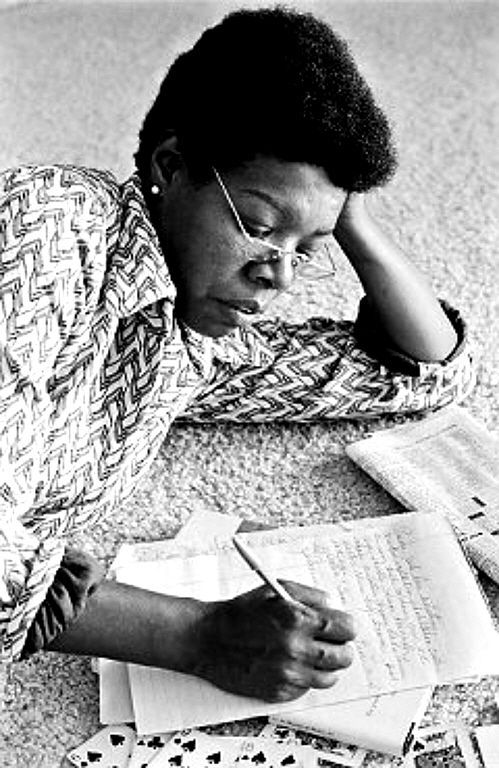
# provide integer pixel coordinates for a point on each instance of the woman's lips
(238, 311)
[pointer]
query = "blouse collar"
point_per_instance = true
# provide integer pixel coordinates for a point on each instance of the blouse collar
(138, 279)
(137, 274)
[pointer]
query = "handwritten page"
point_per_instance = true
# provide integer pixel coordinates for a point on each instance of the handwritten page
(384, 723)
(115, 701)
(420, 614)
(447, 462)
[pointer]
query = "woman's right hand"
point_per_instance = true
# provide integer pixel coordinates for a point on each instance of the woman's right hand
(259, 645)
(255, 644)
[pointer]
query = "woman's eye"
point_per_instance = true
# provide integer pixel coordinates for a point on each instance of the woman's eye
(305, 258)
(257, 230)
(306, 255)
(315, 251)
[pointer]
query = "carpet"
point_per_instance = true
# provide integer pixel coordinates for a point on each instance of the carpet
(76, 79)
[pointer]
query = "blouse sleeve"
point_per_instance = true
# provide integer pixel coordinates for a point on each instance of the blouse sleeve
(325, 369)
(76, 579)
(44, 288)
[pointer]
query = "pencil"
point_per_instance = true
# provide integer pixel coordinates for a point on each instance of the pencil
(255, 565)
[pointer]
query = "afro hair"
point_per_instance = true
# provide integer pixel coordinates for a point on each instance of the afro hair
(273, 82)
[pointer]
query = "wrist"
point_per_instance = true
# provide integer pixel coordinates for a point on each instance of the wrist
(353, 221)
(180, 644)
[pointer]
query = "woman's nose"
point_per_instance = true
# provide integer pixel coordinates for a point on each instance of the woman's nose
(277, 275)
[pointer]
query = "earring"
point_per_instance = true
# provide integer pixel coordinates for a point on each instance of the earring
(155, 190)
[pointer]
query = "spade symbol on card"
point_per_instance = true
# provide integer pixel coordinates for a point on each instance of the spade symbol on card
(214, 759)
(94, 757)
(116, 739)
(289, 760)
(155, 742)
(189, 746)
(417, 746)
(259, 758)
(175, 760)
(281, 735)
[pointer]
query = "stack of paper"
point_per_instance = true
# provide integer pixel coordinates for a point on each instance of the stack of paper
(122, 747)
(422, 617)
(115, 698)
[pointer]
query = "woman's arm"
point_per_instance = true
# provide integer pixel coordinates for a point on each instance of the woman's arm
(405, 353)
(255, 644)
(130, 624)
(399, 295)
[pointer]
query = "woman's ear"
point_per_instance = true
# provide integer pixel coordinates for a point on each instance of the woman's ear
(165, 161)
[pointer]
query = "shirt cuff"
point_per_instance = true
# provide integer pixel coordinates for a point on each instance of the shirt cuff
(77, 577)
(373, 340)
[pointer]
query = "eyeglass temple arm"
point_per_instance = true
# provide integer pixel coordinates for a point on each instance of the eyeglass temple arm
(231, 204)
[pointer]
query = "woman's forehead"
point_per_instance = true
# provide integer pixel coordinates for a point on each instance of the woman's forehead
(290, 188)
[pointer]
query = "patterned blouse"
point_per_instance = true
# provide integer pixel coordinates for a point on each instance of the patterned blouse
(95, 365)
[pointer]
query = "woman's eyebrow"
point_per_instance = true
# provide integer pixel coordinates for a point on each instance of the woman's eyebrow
(283, 210)
(267, 199)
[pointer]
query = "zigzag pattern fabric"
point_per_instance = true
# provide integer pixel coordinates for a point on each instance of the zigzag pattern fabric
(320, 372)
(94, 366)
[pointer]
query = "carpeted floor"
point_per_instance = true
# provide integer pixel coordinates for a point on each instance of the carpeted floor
(76, 79)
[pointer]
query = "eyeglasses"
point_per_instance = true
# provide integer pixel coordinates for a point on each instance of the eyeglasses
(308, 264)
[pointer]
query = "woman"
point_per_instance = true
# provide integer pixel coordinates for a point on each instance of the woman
(124, 307)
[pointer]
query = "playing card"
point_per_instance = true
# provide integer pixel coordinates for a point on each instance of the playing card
(195, 749)
(109, 748)
(442, 748)
(146, 748)
(268, 753)
(329, 750)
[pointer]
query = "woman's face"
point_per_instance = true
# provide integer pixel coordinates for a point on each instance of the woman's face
(219, 285)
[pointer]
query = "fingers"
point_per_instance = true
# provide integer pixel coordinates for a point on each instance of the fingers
(322, 680)
(307, 663)
(295, 679)
(315, 598)
(289, 680)
(326, 623)
(318, 664)
(335, 626)
(329, 658)
(311, 656)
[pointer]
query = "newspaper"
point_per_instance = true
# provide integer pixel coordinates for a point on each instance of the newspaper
(449, 463)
